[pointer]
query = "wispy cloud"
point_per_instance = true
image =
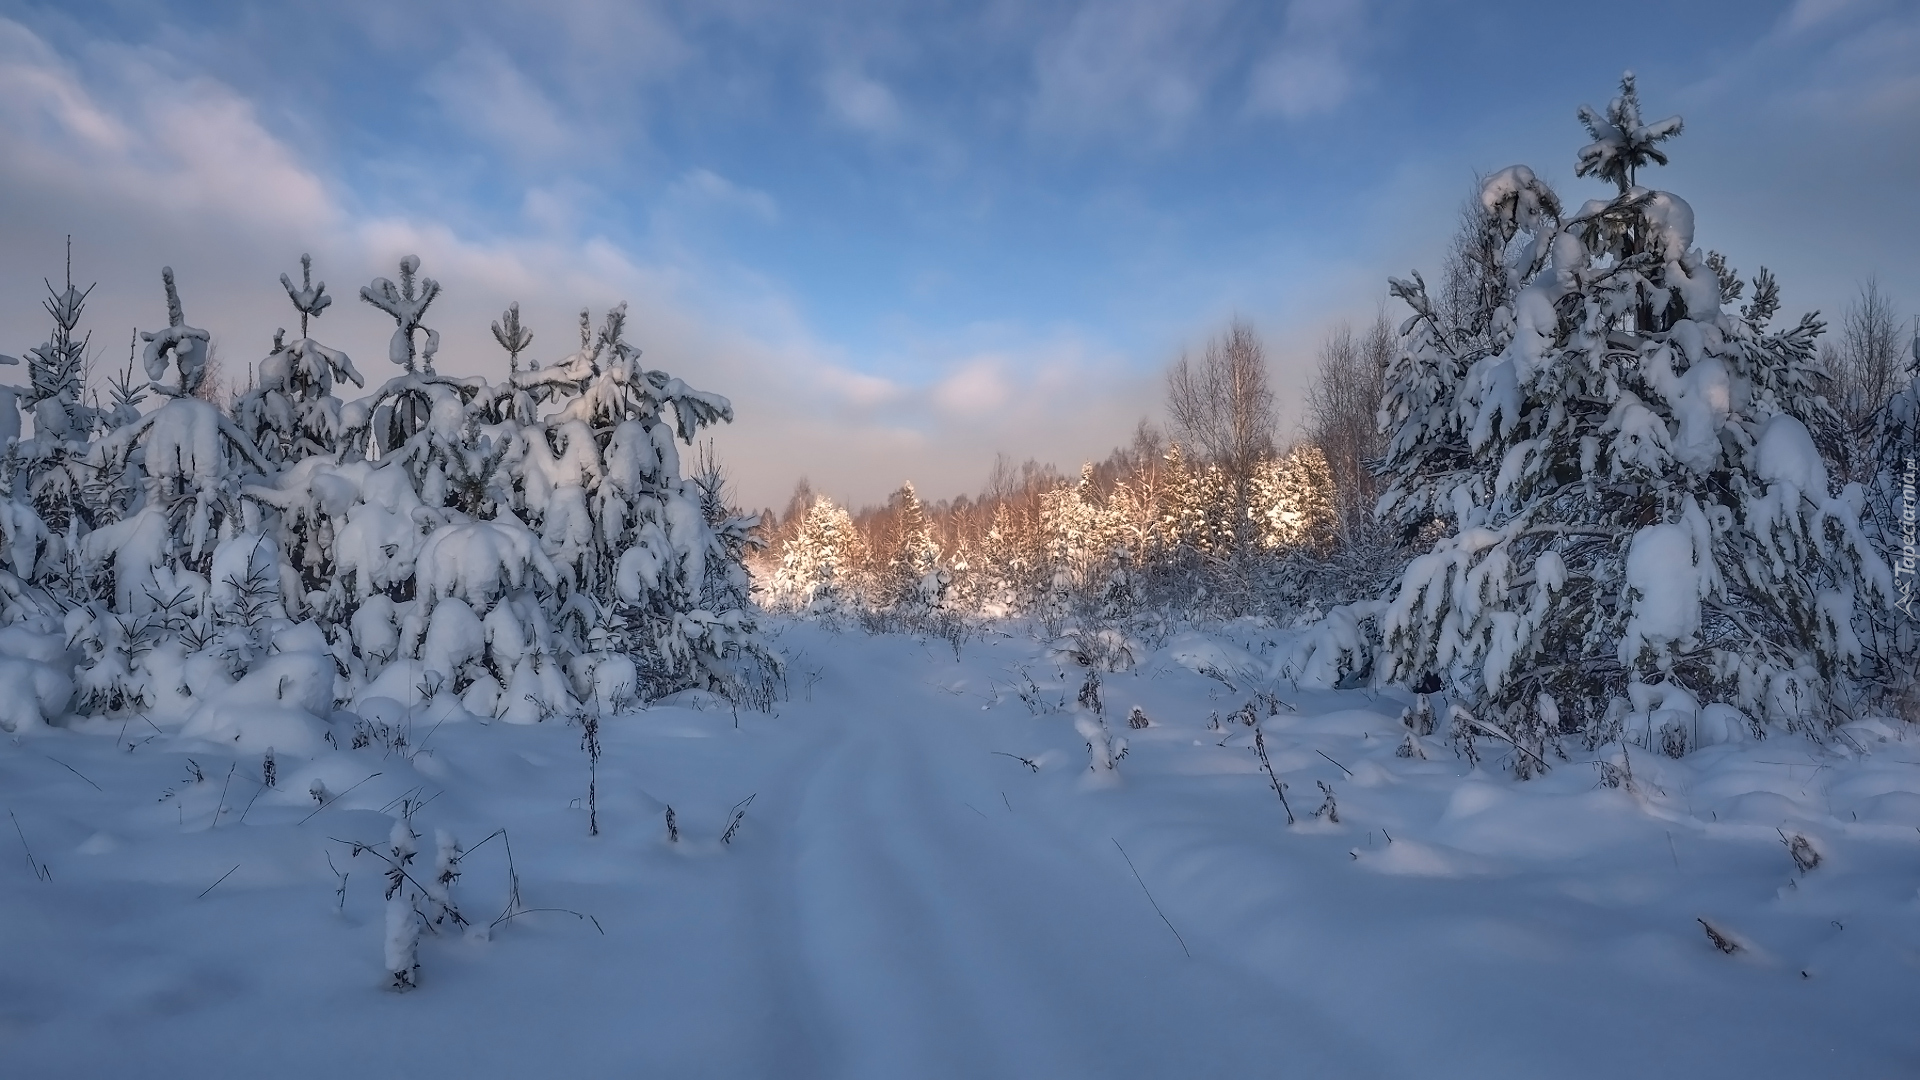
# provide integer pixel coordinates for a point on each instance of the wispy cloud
(1312, 69)
(483, 91)
(861, 102)
(708, 189)
(1136, 68)
(135, 131)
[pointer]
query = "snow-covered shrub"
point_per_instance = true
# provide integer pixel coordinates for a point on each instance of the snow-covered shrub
(401, 945)
(1338, 648)
(1104, 748)
(1630, 493)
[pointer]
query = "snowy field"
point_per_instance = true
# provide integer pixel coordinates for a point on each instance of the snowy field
(903, 896)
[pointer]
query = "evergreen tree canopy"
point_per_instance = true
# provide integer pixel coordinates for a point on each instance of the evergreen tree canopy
(1637, 521)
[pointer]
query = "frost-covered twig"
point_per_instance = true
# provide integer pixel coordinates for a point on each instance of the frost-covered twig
(1341, 767)
(75, 772)
(1329, 809)
(210, 888)
(590, 742)
(221, 803)
(329, 800)
(1720, 940)
(1151, 900)
(739, 815)
(40, 870)
(1273, 778)
(558, 910)
(340, 893)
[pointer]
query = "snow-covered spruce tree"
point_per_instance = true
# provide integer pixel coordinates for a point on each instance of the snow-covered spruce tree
(1293, 500)
(820, 570)
(906, 572)
(653, 558)
(176, 588)
(291, 412)
(46, 474)
(1196, 507)
(1007, 574)
(1636, 519)
(1079, 541)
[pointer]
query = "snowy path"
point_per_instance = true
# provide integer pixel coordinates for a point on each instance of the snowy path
(949, 941)
(900, 901)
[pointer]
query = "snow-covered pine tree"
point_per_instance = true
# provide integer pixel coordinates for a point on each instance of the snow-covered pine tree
(1196, 502)
(819, 572)
(512, 336)
(1007, 573)
(645, 547)
(450, 434)
(290, 413)
(1636, 518)
(1293, 500)
(524, 562)
(183, 573)
(909, 556)
(407, 302)
(46, 473)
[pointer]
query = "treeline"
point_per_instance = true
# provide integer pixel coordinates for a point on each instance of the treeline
(1214, 517)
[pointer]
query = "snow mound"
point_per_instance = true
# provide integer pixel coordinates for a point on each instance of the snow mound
(1891, 808)
(32, 694)
(1216, 659)
(278, 706)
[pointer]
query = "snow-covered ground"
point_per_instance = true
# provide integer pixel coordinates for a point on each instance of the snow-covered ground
(904, 897)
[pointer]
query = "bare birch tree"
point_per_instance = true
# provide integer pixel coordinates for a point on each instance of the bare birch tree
(1222, 407)
(1342, 406)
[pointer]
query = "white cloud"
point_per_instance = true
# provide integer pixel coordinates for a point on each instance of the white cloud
(1129, 67)
(1311, 71)
(480, 89)
(861, 102)
(858, 391)
(177, 144)
(977, 388)
(704, 187)
(1809, 13)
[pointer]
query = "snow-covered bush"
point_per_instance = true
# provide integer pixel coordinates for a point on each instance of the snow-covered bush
(1630, 490)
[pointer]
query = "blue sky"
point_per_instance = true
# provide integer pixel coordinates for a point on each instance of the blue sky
(904, 237)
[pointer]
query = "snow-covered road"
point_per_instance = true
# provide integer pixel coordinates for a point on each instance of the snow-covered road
(902, 899)
(948, 931)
